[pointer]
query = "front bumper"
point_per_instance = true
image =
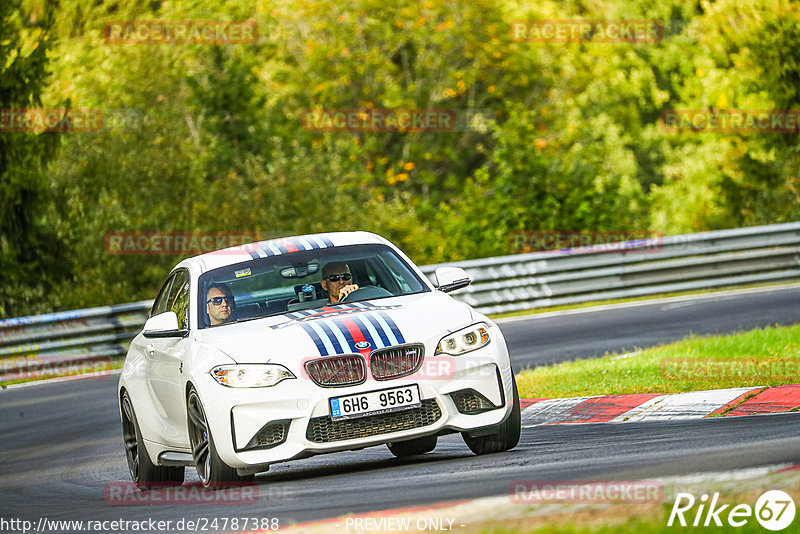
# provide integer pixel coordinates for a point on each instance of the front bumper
(253, 428)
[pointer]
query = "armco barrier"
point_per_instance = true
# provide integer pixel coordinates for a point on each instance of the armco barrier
(56, 341)
(507, 283)
(674, 263)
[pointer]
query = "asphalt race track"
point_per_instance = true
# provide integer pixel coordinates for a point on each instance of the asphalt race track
(61, 445)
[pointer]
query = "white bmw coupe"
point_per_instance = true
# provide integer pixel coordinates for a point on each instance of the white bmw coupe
(246, 362)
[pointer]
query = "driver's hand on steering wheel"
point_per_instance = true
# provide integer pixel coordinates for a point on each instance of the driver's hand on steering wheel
(346, 290)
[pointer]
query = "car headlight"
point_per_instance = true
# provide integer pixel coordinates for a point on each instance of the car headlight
(465, 340)
(250, 376)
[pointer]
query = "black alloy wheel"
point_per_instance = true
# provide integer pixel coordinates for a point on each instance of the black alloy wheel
(144, 473)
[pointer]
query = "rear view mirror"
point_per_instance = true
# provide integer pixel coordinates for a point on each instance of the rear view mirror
(299, 271)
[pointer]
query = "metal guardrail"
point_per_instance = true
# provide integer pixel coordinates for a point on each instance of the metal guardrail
(47, 344)
(68, 342)
(675, 263)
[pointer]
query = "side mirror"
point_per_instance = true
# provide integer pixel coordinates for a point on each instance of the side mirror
(451, 278)
(163, 325)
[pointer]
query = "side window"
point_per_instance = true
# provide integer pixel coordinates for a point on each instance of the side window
(160, 305)
(179, 298)
(372, 277)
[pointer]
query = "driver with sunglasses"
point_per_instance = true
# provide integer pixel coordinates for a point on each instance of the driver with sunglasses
(335, 281)
(219, 304)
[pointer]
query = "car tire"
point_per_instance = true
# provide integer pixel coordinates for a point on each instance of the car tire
(507, 435)
(212, 471)
(144, 473)
(412, 447)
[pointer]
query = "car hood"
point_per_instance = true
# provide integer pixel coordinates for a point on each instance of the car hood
(340, 329)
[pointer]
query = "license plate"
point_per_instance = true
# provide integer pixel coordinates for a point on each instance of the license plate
(375, 402)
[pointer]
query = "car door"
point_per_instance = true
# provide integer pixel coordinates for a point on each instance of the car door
(165, 366)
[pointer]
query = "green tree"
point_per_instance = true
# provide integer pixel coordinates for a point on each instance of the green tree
(30, 251)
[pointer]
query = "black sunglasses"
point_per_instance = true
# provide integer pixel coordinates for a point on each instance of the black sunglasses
(217, 301)
(337, 277)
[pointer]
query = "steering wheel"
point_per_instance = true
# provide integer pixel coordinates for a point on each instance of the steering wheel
(366, 293)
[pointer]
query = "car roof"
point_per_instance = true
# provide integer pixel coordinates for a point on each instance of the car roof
(282, 245)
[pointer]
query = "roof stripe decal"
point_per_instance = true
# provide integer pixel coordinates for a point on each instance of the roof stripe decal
(286, 245)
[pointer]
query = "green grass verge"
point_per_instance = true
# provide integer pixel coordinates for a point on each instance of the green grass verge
(761, 357)
(593, 303)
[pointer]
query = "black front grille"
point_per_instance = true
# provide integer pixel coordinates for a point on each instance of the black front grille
(470, 402)
(271, 435)
(397, 361)
(325, 430)
(337, 371)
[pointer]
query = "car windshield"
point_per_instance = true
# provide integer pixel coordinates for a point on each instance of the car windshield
(291, 282)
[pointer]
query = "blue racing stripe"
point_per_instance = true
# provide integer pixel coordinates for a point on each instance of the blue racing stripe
(331, 336)
(377, 333)
(324, 337)
(378, 328)
(346, 333)
(317, 341)
(297, 244)
(365, 332)
(252, 252)
(264, 247)
(308, 244)
(298, 314)
(392, 325)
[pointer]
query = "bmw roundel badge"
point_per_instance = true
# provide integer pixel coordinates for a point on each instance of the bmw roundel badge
(362, 345)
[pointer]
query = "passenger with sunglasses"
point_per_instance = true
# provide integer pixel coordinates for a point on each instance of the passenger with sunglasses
(336, 279)
(219, 304)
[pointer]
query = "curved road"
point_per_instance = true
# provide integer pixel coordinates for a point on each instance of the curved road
(60, 443)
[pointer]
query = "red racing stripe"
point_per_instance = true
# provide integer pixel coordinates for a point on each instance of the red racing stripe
(356, 332)
(291, 247)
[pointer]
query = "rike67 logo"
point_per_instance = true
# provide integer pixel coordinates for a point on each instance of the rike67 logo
(774, 510)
